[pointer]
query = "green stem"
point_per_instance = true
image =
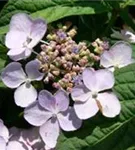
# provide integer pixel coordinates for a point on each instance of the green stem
(112, 21)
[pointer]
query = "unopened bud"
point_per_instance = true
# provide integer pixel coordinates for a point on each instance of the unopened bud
(63, 60)
(73, 55)
(52, 67)
(76, 68)
(68, 76)
(63, 50)
(69, 89)
(94, 44)
(77, 57)
(46, 80)
(98, 50)
(61, 83)
(50, 53)
(56, 73)
(73, 74)
(45, 67)
(58, 47)
(56, 53)
(72, 32)
(52, 44)
(56, 85)
(83, 62)
(83, 53)
(43, 46)
(99, 41)
(68, 57)
(54, 37)
(51, 76)
(70, 85)
(42, 53)
(65, 81)
(96, 58)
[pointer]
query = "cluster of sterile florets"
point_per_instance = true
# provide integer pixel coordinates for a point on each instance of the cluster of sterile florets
(63, 59)
(70, 67)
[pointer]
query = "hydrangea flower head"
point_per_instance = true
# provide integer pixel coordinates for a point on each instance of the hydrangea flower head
(90, 97)
(119, 55)
(52, 113)
(13, 76)
(24, 33)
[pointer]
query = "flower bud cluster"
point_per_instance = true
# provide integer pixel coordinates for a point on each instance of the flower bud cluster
(63, 59)
(100, 46)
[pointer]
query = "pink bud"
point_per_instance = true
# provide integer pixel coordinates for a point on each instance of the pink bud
(56, 85)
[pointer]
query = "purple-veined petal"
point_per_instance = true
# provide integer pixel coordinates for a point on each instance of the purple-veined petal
(32, 70)
(80, 93)
(110, 105)
(15, 40)
(2, 143)
(21, 22)
(13, 75)
(98, 80)
(14, 52)
(25, 54)
(126, 62)
(36, 115)
(121, 54)
(62, 100)
(89, 78)
(104, 80)
(38, 30)
(49, 132)
(121, 50)
(28, 52)
(87, 109)
(47, 100)
(25, 95)
(4, 133)
(106, 59)
(68, 120)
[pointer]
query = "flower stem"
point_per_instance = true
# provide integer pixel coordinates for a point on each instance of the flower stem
(44, 42)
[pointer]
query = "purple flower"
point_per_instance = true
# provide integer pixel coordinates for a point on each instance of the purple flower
(62, 35)
(24, 33)
(20, 139)
(88, 97)
(52, 113)
(25, 139)
(75, 50)
(78, 80)
(118, 56)
(13, 76)
(4, 135)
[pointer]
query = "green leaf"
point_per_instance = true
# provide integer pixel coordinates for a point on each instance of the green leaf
(133, 50)
(131, 3)
(50, 10)
(103, 133)
(3, 57)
